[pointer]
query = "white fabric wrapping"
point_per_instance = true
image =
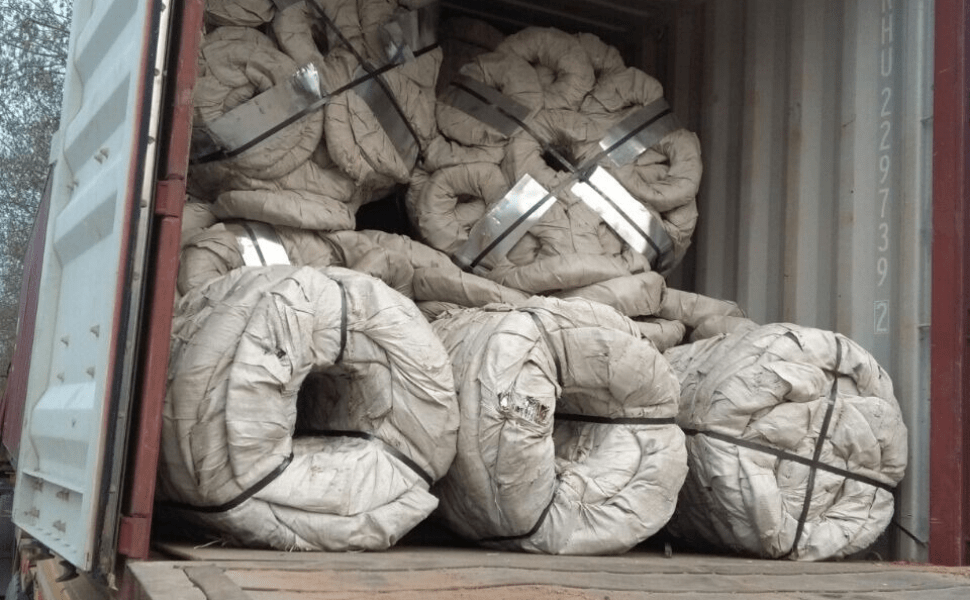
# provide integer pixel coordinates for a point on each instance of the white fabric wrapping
(605, 59)
(315, 195)
(523, 479)
(771, 386)
(262, 352)
(413, 269)
(246, 13)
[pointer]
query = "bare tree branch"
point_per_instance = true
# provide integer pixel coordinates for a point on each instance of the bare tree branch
(33, 52)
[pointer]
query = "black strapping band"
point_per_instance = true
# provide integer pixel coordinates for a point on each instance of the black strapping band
(528, 534)
(343, 321)
(785, 455)
(548, 339)
(616, 420)
(255, 239)
(826, 421)
(246, 495)
(404, 458)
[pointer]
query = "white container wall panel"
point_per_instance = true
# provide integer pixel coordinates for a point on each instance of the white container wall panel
(87, 303)
(815, 122)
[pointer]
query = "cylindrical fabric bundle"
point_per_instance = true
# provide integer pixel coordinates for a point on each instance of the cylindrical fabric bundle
(561, 61)
(560, 252)
(411, 268)
(633, 295)
(692, 309)
(445, 206)
(662, 332)
(315, 195)
(299, 32)
(359, 139)
(567, 443)
(570, 246)
(244, 13)
(260, 355)
(795, 441)
(238, 63)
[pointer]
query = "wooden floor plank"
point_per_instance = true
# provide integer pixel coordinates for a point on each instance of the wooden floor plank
(440, 573)
(451, 579)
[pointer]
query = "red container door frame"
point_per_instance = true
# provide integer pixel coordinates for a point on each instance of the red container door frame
(950, 337)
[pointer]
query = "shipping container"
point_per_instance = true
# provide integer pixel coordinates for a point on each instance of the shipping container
(835, 144)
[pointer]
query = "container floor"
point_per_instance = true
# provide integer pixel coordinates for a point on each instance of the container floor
(189, 572)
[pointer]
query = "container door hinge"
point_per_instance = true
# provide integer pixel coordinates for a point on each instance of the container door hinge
(169, 197)
(133, 536)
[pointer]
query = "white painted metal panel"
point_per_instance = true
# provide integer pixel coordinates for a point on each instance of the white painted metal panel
(815, 207)
(90, 289)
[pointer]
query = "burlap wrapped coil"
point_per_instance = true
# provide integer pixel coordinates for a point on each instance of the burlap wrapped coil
(561, 61)
(245, 13)
(237, 63)
(524, 479)
(413, 269)
(508, 74)
(354, 136)
(244, 348)
(771, 386)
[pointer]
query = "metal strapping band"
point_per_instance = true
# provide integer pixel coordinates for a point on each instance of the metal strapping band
(528, 534)
(404, 458)
(632, 136)
(496, 101)
(523, 205)
(414, 28)
(391, 117)
(260, 245)
(246, 495)
(485, 104)
(629, 219)
(616, 420)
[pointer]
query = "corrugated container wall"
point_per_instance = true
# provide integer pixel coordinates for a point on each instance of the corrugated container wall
(816, 119)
